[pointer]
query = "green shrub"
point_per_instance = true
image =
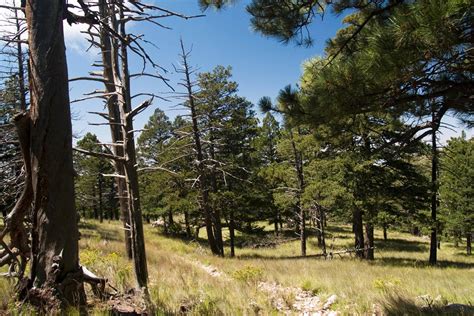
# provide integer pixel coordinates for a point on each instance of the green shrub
(249, 274)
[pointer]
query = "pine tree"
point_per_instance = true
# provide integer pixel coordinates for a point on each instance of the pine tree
(456, 190)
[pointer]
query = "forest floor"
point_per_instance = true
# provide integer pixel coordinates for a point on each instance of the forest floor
(186, 278)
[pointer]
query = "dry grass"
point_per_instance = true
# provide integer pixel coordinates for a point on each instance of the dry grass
(397, 282)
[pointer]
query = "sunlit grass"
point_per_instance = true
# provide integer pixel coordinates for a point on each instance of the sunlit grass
(178, 284)
(398, 280)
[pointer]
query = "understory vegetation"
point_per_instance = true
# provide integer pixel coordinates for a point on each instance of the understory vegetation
(399, 281)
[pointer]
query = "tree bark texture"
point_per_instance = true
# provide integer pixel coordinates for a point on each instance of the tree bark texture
(136, 222)
(369, 241)
(114, 117)
(434, 198)
(55, 251)
(358, 228)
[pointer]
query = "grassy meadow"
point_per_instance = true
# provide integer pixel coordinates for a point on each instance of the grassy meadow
(398, 282)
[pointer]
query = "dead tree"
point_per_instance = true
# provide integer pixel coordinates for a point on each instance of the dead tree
(202, 179)
(107, 31)
(317, 215)
(107, 42)
(301, 212)
(55, 251)
(13, 99)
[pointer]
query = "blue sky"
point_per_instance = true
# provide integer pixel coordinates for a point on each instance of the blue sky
(261, 65)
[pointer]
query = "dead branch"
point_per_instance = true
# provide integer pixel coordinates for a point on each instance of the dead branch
(99, 155)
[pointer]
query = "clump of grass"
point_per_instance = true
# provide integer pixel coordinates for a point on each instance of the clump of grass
(249, 274)
(387, 284)
(309, 286)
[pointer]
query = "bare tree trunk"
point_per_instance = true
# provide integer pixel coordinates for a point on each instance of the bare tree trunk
(434, 196)
(136, 221)
(323, 244)
(298, 161)
(55, 249)
(369, 241)
(114, 117)
(358, 231)
(94, 203)
(202, 173)
(217, 226)
(384, 226)
(322, 228)
(302, 229)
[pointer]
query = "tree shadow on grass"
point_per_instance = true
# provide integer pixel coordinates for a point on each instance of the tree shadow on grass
(87, 225)
(400, 245)
(263, 257)
(181, 237)
(339, 230)
(397, 305)
(406, 262)
(91, 230)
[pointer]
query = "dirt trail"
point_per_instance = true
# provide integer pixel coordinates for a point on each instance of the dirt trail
(288, 300)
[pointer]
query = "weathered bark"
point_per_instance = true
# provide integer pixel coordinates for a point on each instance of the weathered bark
(434, 196)
(55, 251)
(200, 168)
(358, 231)
(302, 229)
(114, 117)
(369, 241)
(136, 221)
(216, 216)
